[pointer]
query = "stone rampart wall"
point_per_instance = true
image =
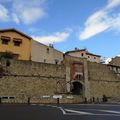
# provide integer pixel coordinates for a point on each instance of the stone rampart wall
(103, 81)
(25, 79)
(40, 82)
(29, 68)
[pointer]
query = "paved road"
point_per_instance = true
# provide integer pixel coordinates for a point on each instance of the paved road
(91, 112)
(28, 112)
(61, 112)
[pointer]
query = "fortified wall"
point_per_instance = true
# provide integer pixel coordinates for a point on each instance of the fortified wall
(73, 81)
(103, 80)
(93, 80)
(25, 79)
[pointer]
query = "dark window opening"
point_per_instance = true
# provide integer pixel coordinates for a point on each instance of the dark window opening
(47, 50)
(17, 42)
(78, 77)
(77, 88)
(5, 40)
(56, 61)
(44, 60)
(82, 54)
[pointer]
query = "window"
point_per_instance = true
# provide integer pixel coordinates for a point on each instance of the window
(94, 57)
(17, 42)
(47, 50)
(82, 54)
(5, 40)
(78, 77)
(44, 60)
(56, 61)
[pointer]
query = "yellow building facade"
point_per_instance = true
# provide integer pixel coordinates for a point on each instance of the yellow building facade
(15, 42)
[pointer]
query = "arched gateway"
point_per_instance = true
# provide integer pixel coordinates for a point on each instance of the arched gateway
(77, 88)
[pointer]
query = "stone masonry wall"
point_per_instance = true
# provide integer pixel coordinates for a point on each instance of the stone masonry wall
(37, 81)
(30, 79)
(103, 81)
(40, 82)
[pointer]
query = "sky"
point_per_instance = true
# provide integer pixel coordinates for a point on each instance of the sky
(67, 24)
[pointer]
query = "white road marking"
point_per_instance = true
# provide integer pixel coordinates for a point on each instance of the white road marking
(63, 111)
(74, 112)
(52, 106)
(92, 114)
(79, 112)
(60, 108)
(118, 104)
(110, 111)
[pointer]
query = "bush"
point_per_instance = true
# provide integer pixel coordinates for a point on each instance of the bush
(7, 55)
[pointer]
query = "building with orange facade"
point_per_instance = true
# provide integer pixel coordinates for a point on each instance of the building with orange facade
(23, 47)
(15, 42)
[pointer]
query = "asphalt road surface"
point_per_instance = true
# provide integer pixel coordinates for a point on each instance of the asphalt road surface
(60, 112)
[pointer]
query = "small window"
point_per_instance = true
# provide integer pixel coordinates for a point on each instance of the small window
(78, 77)
(56, 61)
(82, 54)
(47, 50)
(17, 42)
(44, 60)
(5, 40)
(88, 56)
(94, 57)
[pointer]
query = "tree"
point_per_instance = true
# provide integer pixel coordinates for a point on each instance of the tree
(7, 55)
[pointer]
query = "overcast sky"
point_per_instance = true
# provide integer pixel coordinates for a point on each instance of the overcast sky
(91, 24)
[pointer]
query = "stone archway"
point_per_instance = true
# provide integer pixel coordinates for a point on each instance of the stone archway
(77, 88)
